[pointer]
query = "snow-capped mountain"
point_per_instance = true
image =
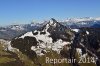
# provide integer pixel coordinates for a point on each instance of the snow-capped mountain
(67, 42)
(50, 36)
(9, 32)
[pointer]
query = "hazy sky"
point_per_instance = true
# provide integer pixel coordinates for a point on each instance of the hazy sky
(24, 11)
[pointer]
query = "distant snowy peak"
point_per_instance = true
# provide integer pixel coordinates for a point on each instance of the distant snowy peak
(81, 22)
(17, 27)
(82, 19)
(97, 18)
(21, 27)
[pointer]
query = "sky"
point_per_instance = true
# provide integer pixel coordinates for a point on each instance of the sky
(24, 11)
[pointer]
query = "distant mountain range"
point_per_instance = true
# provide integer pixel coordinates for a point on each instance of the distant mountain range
(81, 22)
(12, 31)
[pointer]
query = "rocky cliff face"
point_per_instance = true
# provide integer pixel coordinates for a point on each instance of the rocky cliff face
(88, 40)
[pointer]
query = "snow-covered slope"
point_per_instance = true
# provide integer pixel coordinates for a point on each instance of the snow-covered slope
(50, 36)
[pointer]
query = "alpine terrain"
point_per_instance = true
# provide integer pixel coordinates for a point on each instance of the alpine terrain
(52, 43)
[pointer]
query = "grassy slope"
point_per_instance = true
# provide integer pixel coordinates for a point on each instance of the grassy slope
(8, 58)
(18, 59)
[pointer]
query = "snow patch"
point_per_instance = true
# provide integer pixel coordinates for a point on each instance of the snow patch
(54, 24)
(38, 50)
(45, 38)
(47, 42)
(87, 32)
(79, 51)
(58, 46)
(51, 22)
(17, 28)
(27, 34)
(76, 30)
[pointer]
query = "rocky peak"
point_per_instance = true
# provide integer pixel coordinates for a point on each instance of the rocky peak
(53, 26)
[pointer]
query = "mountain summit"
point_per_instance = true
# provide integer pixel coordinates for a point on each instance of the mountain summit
(56, 30)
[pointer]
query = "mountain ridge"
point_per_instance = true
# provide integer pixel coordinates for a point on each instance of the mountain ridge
(54, 38)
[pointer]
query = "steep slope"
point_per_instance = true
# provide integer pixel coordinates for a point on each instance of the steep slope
(87, 43)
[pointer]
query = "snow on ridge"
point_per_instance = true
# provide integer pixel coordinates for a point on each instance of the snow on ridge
(47, 42)
(27, 34)
(44, 38)
(87, 32)
(54, 24)
(76, 30)
(51, 22)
